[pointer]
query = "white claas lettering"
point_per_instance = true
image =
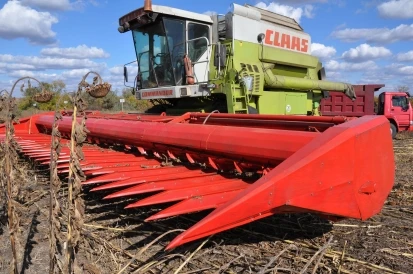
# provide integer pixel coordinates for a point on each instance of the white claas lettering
(287, 41)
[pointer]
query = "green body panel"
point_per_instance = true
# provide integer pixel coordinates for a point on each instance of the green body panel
(283, 103)
(247, 62)
(284, 82)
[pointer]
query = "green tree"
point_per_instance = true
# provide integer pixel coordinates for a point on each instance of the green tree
(403, 88)
(131, 103)
(109, 102)
(56, 87)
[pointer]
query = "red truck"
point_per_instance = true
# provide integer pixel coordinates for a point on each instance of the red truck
(394, 105)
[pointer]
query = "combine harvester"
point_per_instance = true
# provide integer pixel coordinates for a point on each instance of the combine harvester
(255, 161)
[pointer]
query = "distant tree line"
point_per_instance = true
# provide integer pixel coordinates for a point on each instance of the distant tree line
(405, 88)
(111, 102)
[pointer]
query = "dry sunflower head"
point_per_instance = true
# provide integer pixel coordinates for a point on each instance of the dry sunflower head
(43, 97)
(99, 90)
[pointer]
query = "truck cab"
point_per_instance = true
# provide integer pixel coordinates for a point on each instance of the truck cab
(395, 105)
(397, 108)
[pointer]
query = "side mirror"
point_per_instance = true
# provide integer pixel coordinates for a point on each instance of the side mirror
(322, 74)
(125, 73)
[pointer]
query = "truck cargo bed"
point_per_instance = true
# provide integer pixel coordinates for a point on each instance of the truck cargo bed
(338, 104)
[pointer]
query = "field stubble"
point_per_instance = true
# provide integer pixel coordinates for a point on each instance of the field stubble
(118, 241)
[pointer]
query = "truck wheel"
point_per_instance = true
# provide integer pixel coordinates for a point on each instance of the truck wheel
(393, 130)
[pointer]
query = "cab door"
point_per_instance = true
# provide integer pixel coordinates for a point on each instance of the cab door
(199, 49)
(400, 110)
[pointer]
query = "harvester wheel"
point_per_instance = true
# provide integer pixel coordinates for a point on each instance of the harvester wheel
(393, 130)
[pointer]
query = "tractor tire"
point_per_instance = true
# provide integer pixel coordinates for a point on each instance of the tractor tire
(393, 130)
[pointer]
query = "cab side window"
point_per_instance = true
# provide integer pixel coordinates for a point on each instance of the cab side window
(197, 47)
(400, 101)
(395, 100)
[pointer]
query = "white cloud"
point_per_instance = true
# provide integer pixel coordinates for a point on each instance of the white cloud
(334, 65)
(76, 74)
(292, 2)
(116, 75)
(94, 3)
(49, 4)
(49, 69)
(308, 11)
(8, 66)
(375, 78)
(341, 26)
(334, 76)
(401, 9)
(118, 70)
(60, 5)
(369, 73)
(300, 2)
(365, 52)
(80, 5)
(295, 13)
(391, 75)
(79, 52)
(383, 35)
(18, 21)
(405, 70)
(322, 51)
(22, 73)
(403, 57)
(41, 63)
(209, 12)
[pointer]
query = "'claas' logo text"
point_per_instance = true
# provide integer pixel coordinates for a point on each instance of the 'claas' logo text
(286, 41)
(157, 93)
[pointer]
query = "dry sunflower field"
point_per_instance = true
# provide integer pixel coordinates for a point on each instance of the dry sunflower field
(115, 240)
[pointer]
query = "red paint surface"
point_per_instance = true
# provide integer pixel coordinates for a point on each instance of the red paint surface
(342, 169)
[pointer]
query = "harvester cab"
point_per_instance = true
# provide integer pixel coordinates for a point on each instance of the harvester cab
(247, 61)
(165, 40)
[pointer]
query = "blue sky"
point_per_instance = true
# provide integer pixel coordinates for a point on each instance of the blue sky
(360, 42)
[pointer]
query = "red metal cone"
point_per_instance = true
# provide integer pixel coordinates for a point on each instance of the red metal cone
(329, 176)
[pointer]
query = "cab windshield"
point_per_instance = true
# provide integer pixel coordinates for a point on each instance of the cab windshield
(160, 48)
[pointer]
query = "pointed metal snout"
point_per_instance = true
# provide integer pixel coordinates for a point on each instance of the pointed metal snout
(328, 176)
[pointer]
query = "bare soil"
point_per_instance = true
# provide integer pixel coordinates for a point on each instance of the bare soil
(115, 239)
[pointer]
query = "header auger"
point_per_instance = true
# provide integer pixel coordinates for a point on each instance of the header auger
(245, 167)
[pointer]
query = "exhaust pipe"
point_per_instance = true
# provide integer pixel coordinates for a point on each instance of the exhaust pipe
(147, 6)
